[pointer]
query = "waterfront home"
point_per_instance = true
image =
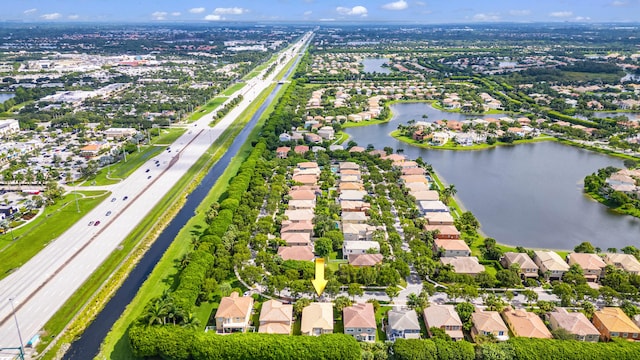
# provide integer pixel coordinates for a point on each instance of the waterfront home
(525, 324)
(488, 322)
(275, 318)
(317, 319)
(233, 313)
(626, 262)
(612, 322)
(576, 323)
(438, 218)
(394, 157)
(300, 253)
(413, 171)
(591, 264)
(409, 179)
(463, 264)
(359, 247)
(417, 187)
(528, 268)
(426, 195)
(360, 322)
(439, 138)
(444, 231)
(432, 206)
(443, 317)
(365, 260)
(402, 324)
(450, 248)
(550, 264)
(326, 132)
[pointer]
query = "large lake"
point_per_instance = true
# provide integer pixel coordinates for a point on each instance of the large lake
(5, 96)
(528, 194)
(375, 65)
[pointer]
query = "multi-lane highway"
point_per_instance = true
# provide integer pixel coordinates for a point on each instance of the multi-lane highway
(42, 285)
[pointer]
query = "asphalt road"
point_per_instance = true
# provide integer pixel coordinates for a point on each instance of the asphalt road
(42, 285)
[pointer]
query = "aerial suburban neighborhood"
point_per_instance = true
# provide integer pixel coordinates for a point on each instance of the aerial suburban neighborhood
(324, 189)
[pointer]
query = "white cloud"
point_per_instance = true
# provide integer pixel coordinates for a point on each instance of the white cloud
(176, 13)
(199, 10)
(159, 15)
(307, 13)
(561, 14)
(212, 17)
(619, 3)
(519, 12)
(73, 17)
(30, 11)
(327, 19)
(354, 11)
(486, 17)
(396, 5)
(582, 18)
(52, 16)
(230, 11)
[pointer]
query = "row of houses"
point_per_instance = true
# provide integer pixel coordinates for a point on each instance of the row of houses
(297, 229)
(624, 181)
(358, 246)
(234, 314)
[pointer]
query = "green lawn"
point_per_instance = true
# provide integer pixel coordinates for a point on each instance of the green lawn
(168, 136)
(350, 124)
(207, 108)
(380, 315)
(54, 221)
(233, 88)
(450, 145)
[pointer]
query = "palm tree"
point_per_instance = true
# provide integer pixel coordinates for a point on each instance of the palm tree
(156, 313)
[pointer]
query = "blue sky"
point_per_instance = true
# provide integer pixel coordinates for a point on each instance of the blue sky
(424, 11)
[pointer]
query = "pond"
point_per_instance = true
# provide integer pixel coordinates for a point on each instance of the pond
(5, 96)
(375, 65)
(528, 194)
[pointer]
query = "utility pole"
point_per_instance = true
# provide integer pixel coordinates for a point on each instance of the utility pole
(13, 310)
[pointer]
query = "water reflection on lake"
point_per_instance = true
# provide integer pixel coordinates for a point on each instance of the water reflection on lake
(529, 194)
(375, 65)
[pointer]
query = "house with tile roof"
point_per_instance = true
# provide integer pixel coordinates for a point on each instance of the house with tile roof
(528, 268)
(450, 248)
(444, 317)
(317, 319)
(626, 262)
(525, 324)
(464, 264)
(438, 218)
(360, 322)
(296, 239)
(550, 264)
(612, 322)
(444, 231)
(592, 265)
(576, 323)
(233, 313)
(402, 324)
(359, 247)
(362, 260)
(276, 318)
(300, 253)
(489, 322)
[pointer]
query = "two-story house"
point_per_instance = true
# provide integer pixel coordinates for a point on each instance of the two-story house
(489, 322)
(402, 324)
(317, 319)
(276, 318)
(612, 322)
(528, 268)
(234, 313)
(592, 265)
(576, 323)
(360, 322)
(550, 264)
(443, 317)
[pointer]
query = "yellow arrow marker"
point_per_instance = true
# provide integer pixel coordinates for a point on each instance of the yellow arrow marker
(319, 283)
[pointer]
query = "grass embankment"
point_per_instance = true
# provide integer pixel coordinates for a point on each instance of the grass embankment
(597, 149)
(612, 207)
(450, 145)
(97, 290)
(207, 108)
(115, 344)
(233, 88)
(51, 223)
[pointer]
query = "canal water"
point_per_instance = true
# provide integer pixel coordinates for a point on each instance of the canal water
(5, 96)
(528, 194)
